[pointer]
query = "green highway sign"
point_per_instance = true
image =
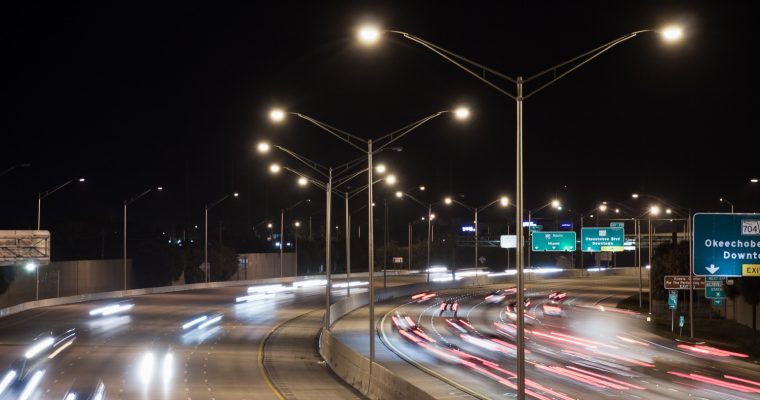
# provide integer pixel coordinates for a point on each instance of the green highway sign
(681, 321)
(726, 244)
(536, 228)
(602, 239)
(715, 287)
(617, 224)
(553, 241)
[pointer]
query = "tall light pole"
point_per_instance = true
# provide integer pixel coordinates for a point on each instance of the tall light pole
(430, 216)
(503, 200)
(47, 193)
(205, 235)
(126, 203)
(296, 225)
(372, 146)
(723, 200)
(370, 35)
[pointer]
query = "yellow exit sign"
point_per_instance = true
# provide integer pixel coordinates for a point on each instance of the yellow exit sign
(750, 269)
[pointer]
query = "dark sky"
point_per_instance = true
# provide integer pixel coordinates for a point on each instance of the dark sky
(133, 95)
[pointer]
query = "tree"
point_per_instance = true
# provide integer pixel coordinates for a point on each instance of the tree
(668, 260)
(750, 291)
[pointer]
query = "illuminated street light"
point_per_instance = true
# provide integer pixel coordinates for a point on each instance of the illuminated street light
(504, 201)
(277, 115)
(462, 113)
(369, 34)
(263, 147)
(30, 266)
(302, 181)
(668, 211)
(654, 210)
(754, 180)
(672, 33)
(390, 179)
(556, 204)
(297, 224)
(380, 168)
(422, 188)
(399, 194)
(603, 207)
(635, 195)
(274, 168)
(269, 225)
(447, 200)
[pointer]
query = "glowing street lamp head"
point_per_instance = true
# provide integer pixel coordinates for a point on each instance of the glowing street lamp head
(654, 210)
(635, 195)
(447, 200)
(399, 194)
(504, 201)
(390, 179)
(555, 203)
(617, 211)
(369, 34)
(380, 168)
(269, 225)
(297, 224)
(277, 115)
(30, 266)
(603, 207)
(432, 217)
(668, 211)
(754, 180)
(672, 33)
(236, 194)
(81, 179)
(422, 188)
(160, 188)
(302, 181)
(274, 168)
(263, 147)
(462, 113)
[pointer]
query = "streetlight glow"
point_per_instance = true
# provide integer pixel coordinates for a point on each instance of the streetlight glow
(432, 217)
(380, 168)
(302, 181)
(81, 179)
(235, 194)
(603, 207)
(160, 188)
(754, 180)
(447, 200)
(277, 115)
(654, 210)
(672, 33)
(369, 34)
(30, 266)
(504, 201)
(668, 211)
(269, 226)
(555, 203)
(274, 168)
(399, 194)
(462, 113)
(635, 195)
(297, 224)
(422, 188)
(390, 179)
(263, 147)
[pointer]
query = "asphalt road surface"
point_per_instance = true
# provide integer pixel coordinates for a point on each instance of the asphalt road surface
(579, 347)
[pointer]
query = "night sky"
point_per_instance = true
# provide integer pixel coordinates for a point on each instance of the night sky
(137, 95)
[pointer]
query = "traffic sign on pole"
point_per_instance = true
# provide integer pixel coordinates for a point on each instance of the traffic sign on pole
(726, 244)
(617, 224)
(602, 239)
(715, 287)
(553, 241)
(681, 282)
(673, 299)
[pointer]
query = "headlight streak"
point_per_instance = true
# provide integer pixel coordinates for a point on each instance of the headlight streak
(7, 379)
(256, 296)
(112, 309)
(167, 370)
(211, 321)
(717, 382)
(60, 349)
(37, 348)
(310, 283)
(33, 382)
(350, 284)
(146, 368)
(194, 322)
(707, 350)
(269, 289)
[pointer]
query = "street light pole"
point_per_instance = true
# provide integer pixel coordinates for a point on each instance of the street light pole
(348, 248)
(429, 230)
(47, 193)
(205, 235)
(328, 245)
(371, 257)
(282, 238)
(126, 203)
(520, 262)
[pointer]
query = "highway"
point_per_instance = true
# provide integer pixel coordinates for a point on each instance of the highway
(587, 350)
(141, 351)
